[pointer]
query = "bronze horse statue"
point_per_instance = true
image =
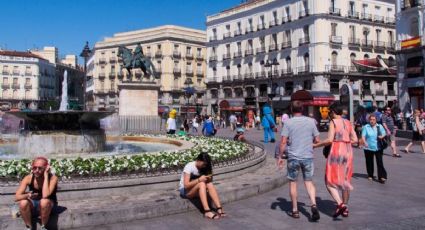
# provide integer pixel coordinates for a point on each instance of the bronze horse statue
(137, 60)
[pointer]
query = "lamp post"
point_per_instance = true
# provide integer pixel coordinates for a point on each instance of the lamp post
(188, 91)
(85, 54)
(272, 93)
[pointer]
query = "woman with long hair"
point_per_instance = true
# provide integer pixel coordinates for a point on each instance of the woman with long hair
(41, 198)
(339, 163)
(196, 181)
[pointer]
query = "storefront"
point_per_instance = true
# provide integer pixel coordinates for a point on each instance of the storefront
(416, 95)
(316, 103)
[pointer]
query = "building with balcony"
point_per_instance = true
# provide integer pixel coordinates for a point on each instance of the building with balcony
(27, 80)
(410, 53)
(178, 54)
(318, 45)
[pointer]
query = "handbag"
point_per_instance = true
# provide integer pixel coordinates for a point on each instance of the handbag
(382, 143)
(327, 149)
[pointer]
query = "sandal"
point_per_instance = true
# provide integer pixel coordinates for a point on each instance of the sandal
(315, 216)
(397, 155)
(345, 213)
(214, 217)
(295, 214)
(339, 210)
(221, 213)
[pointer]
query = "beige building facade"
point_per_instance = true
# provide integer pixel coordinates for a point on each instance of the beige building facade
(178, 54)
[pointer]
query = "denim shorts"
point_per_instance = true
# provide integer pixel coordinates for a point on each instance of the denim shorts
(36, 207)
(183, 193)
(306, 166)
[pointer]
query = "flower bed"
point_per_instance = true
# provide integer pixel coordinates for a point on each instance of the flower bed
(220, 150)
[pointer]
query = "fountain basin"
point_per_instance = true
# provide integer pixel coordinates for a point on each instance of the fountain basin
(63, 142)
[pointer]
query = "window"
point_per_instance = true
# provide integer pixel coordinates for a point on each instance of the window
(227, 28)
(378, 35)
(288, 12)
(352, 59)
(307, 85)
(352, 33)
(414, 27)
(5, 80)
(199, 52)
(333, 29)
(158, 64)
(249, 44)
(366, 56)
(288, 35)
(352, 8)
(289, 88)
(390, 86)
(176, 64)
(288, 63)
(334, 59)
(306, 60)
(274, 16)
(214, 72)
(305, 31)
(227, 70)
(262, 41)
(390, 37)
(239, 45)
(228, 49)
(176, 47)
(188, 50)
(334, 83)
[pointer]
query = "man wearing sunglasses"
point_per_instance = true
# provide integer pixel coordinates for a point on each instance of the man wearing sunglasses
(40, 198)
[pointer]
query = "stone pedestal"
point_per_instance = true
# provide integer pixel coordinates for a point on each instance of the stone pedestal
(138, 99)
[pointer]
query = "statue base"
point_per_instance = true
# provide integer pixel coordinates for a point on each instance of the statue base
(138, 99)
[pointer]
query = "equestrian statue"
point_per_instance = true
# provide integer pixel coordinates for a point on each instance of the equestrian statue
(135, 60)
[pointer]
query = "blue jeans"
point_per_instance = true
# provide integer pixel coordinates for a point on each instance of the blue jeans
(268, 132)
(306, 166)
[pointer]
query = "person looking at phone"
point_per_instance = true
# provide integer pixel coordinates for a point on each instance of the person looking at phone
(196, 181)
(41, 196)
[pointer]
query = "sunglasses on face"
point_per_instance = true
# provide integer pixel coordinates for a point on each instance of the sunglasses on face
(35, 168)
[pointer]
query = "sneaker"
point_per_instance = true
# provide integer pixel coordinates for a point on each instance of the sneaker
(315, 216)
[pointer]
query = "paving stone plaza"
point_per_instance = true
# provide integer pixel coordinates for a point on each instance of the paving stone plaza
(398, 204)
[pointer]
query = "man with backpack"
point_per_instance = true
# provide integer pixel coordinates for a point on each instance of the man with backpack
(208, 128)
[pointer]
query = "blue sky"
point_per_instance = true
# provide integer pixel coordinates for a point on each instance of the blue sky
(27, 24)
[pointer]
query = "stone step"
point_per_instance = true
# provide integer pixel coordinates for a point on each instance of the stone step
(108, 209)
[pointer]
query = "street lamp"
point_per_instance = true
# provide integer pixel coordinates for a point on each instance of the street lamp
(188, 91)
(272, 93)
(85, 54)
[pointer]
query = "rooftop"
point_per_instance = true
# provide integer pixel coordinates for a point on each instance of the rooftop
(15, 53)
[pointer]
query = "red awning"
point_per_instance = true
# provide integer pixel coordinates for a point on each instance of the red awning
(375, 66)
(313, 98)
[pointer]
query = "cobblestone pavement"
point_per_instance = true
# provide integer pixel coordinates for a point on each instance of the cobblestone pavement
(398, 204)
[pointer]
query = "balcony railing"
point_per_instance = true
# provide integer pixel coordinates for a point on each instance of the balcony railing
(199, 74)
(213, 58)
(366, 16)
(102, 75)
(16, 72)
(226, 56)
(177, 71)
(102, 60)
(189, 71)
(304, 40)
(5, 72)
(249, 29)
(238, 77)
(335, 68)
(380, 45)
(16, 86)
(148, 54)
(304, 69)
(335, 39)
(335, 11)
(390, 46)
(367, 43)
(249, 52)
(379, 92)
(112, 59)
(272, 47)
(367, 92)
(261, 26)
(227, 78)
(286, 71)
(158, 54)
(378, 18)
(237, 32)
(274, 22)
(390, 20)
(213, 38)
(287, 44)
(391, 93)
(353, 14)
(261, 49)
(304, 13)
(5, 86)
(28, 73)
(353, 42)
(177, 54)
(111, 75)
(237, 54)
(189, 55)
(199, 57)
(249, 75)
(227, 35)
(261, 74)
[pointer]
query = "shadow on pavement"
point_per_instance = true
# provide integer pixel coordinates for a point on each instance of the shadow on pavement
(286, 206)
(359, 175)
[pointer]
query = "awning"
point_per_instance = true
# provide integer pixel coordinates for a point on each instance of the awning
(314, 98)
(162, 109)
(232, 105)
(375, 66)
